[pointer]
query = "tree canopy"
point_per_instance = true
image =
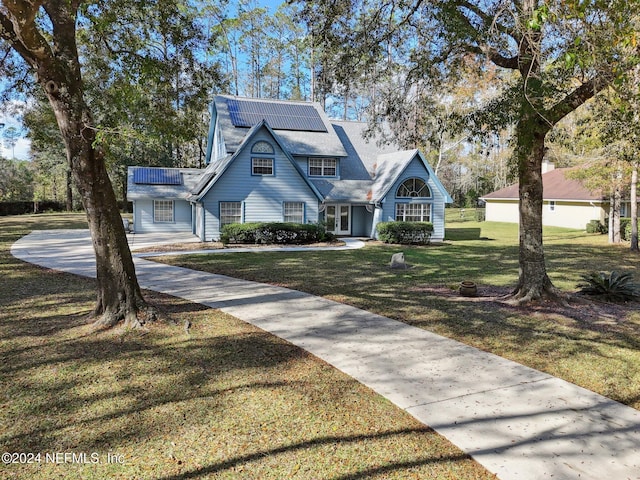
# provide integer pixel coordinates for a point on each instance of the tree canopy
(554, 55)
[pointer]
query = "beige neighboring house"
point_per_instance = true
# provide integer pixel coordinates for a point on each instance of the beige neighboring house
(566, 202)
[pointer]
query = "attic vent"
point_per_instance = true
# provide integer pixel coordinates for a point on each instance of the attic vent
(279, 116)
(157, 176)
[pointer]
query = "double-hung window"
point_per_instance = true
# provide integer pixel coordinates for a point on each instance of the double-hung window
(230, 212)
(261, 166)
(163, 211)
(323, 167)
(293, 212)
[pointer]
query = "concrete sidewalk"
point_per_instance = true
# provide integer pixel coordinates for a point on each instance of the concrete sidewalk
(518, 422)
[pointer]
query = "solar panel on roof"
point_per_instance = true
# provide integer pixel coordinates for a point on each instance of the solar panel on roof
(157, 176)
(279, 116)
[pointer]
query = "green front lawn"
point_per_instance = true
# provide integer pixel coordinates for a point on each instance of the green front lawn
(225, 401)
(601, 353)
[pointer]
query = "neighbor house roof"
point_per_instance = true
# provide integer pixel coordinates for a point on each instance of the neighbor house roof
(556, 186)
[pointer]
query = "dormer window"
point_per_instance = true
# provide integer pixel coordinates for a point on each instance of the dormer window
(323, 167)
(262, 165)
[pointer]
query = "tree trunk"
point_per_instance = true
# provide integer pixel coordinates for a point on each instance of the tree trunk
(69, 189)
(634, 208)
(57, 69)
(616, 204)
(118, 297)
(533, 282)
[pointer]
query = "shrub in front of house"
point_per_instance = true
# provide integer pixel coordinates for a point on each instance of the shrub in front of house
(417, 233)
(596, 226)
(274, 233)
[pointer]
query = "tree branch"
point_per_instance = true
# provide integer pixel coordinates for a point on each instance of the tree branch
(577, 97)
(19, 16)
(489, 20)
(495, 57)
(484, 48)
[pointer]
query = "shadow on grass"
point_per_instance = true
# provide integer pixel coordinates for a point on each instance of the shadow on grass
(539, 337)
(388, 468)
(181, 369)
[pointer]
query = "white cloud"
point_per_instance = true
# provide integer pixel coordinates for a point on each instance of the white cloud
(9, 117)
(21, 149)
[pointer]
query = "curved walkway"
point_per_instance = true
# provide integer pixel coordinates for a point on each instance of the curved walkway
(518, 422)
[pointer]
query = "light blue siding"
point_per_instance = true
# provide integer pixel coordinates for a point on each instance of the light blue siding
(303, 164)
(416, 169)
(262, 196)
(361, 220)
(143, 217)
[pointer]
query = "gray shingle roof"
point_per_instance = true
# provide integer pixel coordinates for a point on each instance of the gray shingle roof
(367, 170)
(351, 191)
(188, 178)
(297, 142)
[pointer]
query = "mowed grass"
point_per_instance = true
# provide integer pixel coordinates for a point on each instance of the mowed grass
(225, 401)
(601, 354)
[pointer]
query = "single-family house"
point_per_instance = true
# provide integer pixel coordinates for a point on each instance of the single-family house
(566, 202)
(284, 161)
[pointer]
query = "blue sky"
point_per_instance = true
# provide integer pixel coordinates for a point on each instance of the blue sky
(22, 147)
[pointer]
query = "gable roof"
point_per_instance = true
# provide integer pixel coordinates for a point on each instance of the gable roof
(556, 186)
(303, 128)
(392, 165)
(214, 171)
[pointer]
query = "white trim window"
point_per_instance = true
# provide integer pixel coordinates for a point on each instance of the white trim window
(261, 166)
(323, 167)
(413, 212)
(163, 211)
(230, 212)
(293, 212)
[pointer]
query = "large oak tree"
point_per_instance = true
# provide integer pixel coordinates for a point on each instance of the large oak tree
(43, 33)
(556, 55)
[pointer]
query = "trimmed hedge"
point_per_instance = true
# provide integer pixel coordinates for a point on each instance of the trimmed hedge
(418, 233)
(274, 232)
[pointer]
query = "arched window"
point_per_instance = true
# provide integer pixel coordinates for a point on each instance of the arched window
(413, 188)
(262, 147)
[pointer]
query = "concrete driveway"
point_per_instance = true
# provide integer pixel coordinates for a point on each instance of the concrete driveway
(518, 422)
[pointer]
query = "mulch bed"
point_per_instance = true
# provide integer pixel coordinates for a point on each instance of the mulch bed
(577, 307)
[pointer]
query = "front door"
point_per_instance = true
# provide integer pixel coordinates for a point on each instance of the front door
(338, 218)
